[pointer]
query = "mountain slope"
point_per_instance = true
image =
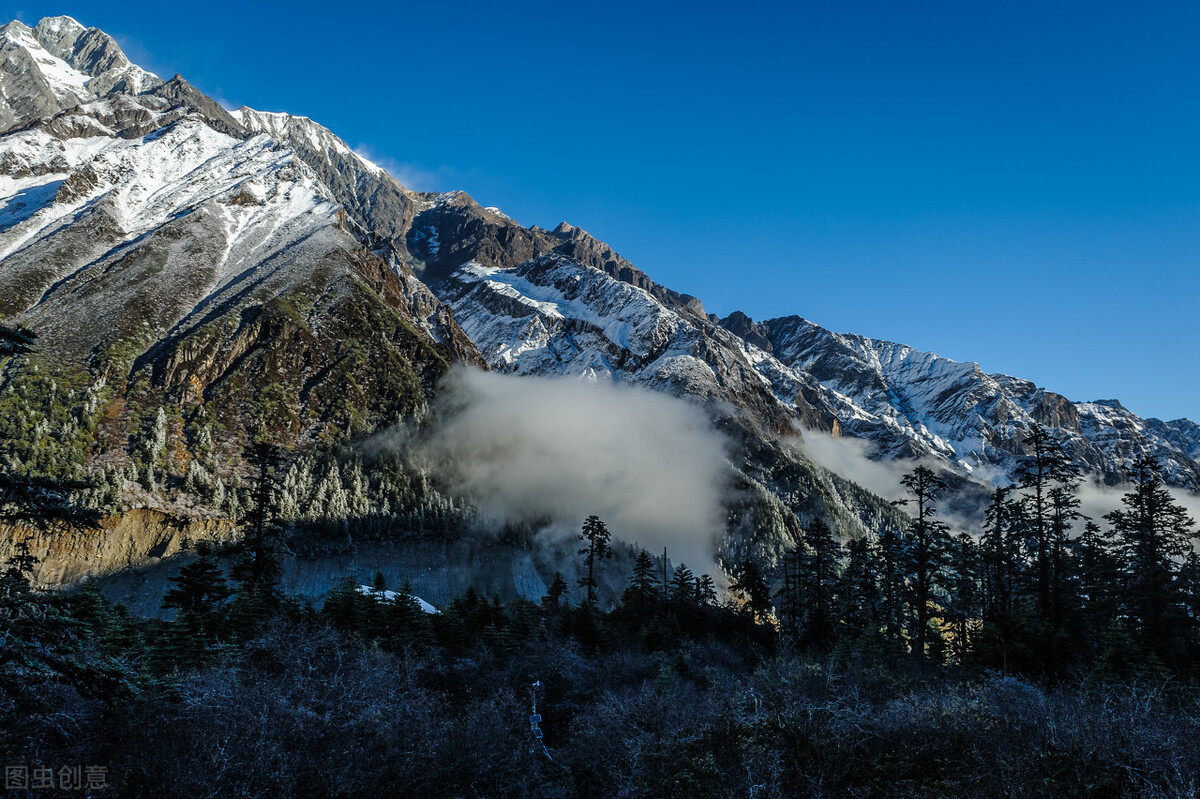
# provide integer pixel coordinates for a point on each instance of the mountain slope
(178, 255)
(194, 271)
(911, 403)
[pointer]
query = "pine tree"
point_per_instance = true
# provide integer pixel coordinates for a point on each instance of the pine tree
(752, 587)
(860, 600)
(405, 618)
(893, 554)
(964, 596)
(999, 556)
(1045, 467)
(645, 574)
(818, 583)
(791, 601)
(1000, 563)
(198, 589)
(1095, 571)
(642, 592)
(16, 581)
(156, 445)
(258, 571)
(556, 594)
(1064, 511)
(1149, 535)
(197, 593)
(930, 544)
(706, 591)
(597, 536)
(682, 590)
(1188, 581)
(22, 561)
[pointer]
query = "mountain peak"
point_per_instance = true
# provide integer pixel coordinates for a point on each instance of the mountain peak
(60, 64)
(58, 34)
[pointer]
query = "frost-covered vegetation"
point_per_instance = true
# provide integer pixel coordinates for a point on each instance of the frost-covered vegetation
(667, 694)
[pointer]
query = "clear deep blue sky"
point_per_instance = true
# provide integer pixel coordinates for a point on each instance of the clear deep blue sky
(1012, 183)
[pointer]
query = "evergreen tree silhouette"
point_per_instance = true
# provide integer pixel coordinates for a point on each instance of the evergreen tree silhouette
(1150, 534)
(596, 535)
(752, 587)
(928, 553)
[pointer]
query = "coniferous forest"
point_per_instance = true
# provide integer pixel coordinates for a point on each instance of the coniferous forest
(1026, 660)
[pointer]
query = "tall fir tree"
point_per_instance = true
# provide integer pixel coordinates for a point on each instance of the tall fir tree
(682, 590)
(596, 536)
(556, 594)
(1044, 466)
(860, 605)
(819, 574)
(197, 594)
(999, 553)
(643, 587)
(964, 596)
(258, 571)
(1095, 570)
(894, 548)
(752, 587)
(1150, 535)
(928, 552)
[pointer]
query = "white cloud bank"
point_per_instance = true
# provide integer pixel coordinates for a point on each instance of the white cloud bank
(651, 466)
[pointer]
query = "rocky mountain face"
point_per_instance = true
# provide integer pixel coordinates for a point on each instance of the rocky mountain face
(60, 64)
(192, 256)
(910, 403)
(229, 268)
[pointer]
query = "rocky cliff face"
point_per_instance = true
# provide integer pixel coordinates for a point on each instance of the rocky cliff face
(60, 64)
(136, 538)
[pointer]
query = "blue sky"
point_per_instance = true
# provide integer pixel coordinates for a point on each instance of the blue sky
(1012, 183)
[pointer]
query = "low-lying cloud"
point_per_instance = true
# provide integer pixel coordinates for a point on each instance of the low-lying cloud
(851, 458)
(528, 448)
(1096, 500)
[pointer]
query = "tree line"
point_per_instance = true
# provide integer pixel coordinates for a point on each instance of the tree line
(1041, 590)
(667, 689)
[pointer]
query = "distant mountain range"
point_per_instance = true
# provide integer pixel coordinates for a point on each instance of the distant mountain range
(236, 264)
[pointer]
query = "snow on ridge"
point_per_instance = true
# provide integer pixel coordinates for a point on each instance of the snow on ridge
(494, 211)
(287, 127)
(64, 80)
(562, 289)
(882, 390)
(146, 182)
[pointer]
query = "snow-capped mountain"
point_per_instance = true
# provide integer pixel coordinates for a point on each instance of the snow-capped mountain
(918, 404)
(145, 231)
(236, 264)
(60, 64)
(554, 315)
